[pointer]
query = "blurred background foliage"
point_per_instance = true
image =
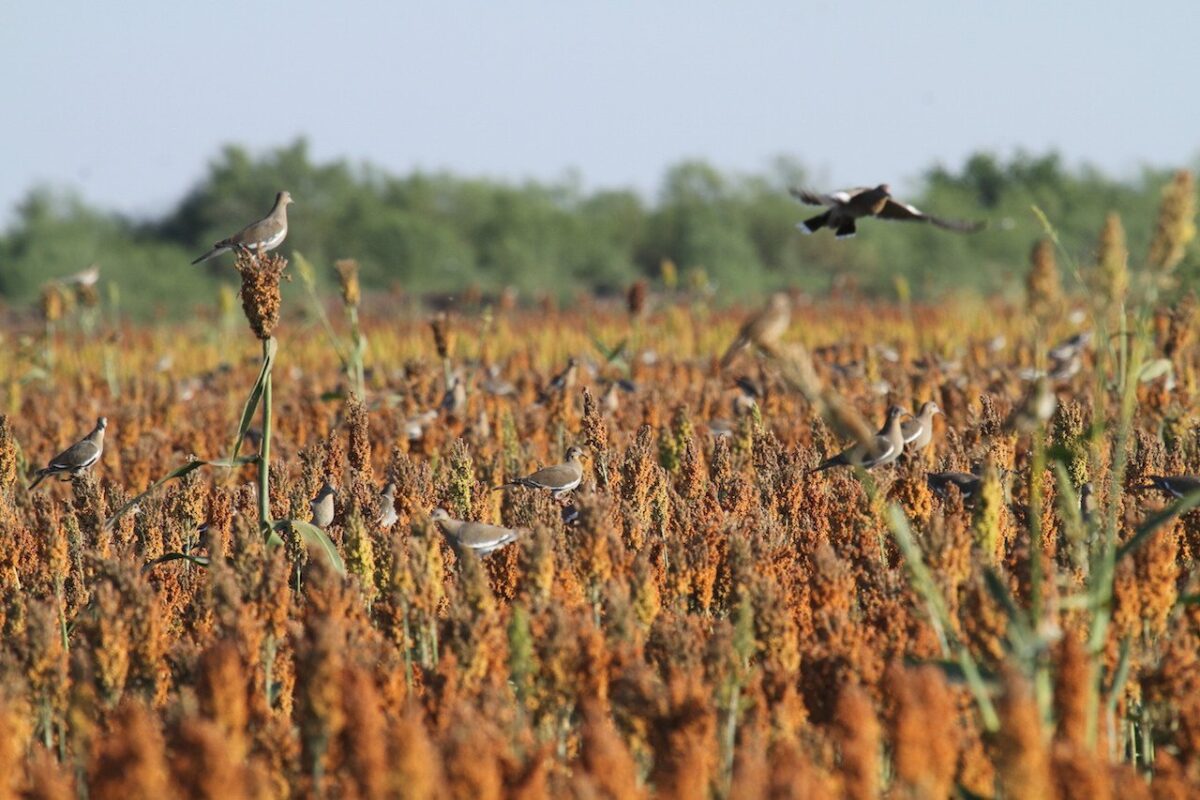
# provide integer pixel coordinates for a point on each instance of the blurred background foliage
(438, 232)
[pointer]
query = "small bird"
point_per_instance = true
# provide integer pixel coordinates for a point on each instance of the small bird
(479, 537)
(885, 448)
(257, 237)
(763, 330)
(560, 382)
(387, 506)
(1039, 405)
(322, 506)
(559, 479)
(84, 278)
(848, 206)
(940, 482)
(918, 432)
(1173, 485)
(78, 457)
(1068, 349)
(1087, 502)
(742, 405)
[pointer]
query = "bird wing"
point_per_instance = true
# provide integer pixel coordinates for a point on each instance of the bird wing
(481, 536)
(553, 477)
(910, 430)
(881, 451)
(255, 232)
(80, 454)
(815, 199)
(895, 210)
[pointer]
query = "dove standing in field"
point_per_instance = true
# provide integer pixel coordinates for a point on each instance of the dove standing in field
(918, 431)
(1037, 407)
(559, 479)
(387, 506)
(78, 457)
(478, 537)
(257, 237)
(883, 449)
(763, 330)
(850, 205)
(940, 483)
(560, 383)
(322, 506)
(1173, 485)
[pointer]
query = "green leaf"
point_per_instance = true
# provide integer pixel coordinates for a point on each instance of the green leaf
(1155, 521)
(313, 536)
(178, 472)
(255, 395)
(202, 561)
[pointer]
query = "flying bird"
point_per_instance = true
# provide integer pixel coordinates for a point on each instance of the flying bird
(78, 457)
(850, 205)
(257, 237)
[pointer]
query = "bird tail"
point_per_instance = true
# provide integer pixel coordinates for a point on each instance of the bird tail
(814, 224)
(846, 229)
(41, 476)
(216, 251)
(824, 465)
(738, 345)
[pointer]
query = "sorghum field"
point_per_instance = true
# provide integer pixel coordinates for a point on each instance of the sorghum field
(702, 617)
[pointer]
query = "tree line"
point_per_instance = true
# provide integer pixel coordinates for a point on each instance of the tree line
(436, 232)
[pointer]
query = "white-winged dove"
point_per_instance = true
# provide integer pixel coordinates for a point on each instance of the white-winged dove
(1068, 349)
(763, 330)
(78, 457)
(559, 479)
(883, 449)
(940, 482)
(257, 237)
(322, 506)
(1173, 485)
(85, 277)
(918, 431)
(560, 383)
(742, 405)
(1038, 406)
(479, 537)
(387, 506)
(850, 205)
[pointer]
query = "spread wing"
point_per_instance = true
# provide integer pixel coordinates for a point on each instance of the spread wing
(903, 212)
(816, 199)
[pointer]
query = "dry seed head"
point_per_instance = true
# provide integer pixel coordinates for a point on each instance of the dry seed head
(260, 290)
(1112, 261)
(635, 300)
(1176, 225)
(443, 340)
(1043, 289)
(8, 454)
(347, 273)
(52, 302)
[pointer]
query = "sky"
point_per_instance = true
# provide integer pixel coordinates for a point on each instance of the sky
(128, 106)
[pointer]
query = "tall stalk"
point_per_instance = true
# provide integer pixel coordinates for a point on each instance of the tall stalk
(264, 452)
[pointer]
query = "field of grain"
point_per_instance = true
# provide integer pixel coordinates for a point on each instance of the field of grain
(703, 616)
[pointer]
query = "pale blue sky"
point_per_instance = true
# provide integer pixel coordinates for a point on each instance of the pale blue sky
(128, 106)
